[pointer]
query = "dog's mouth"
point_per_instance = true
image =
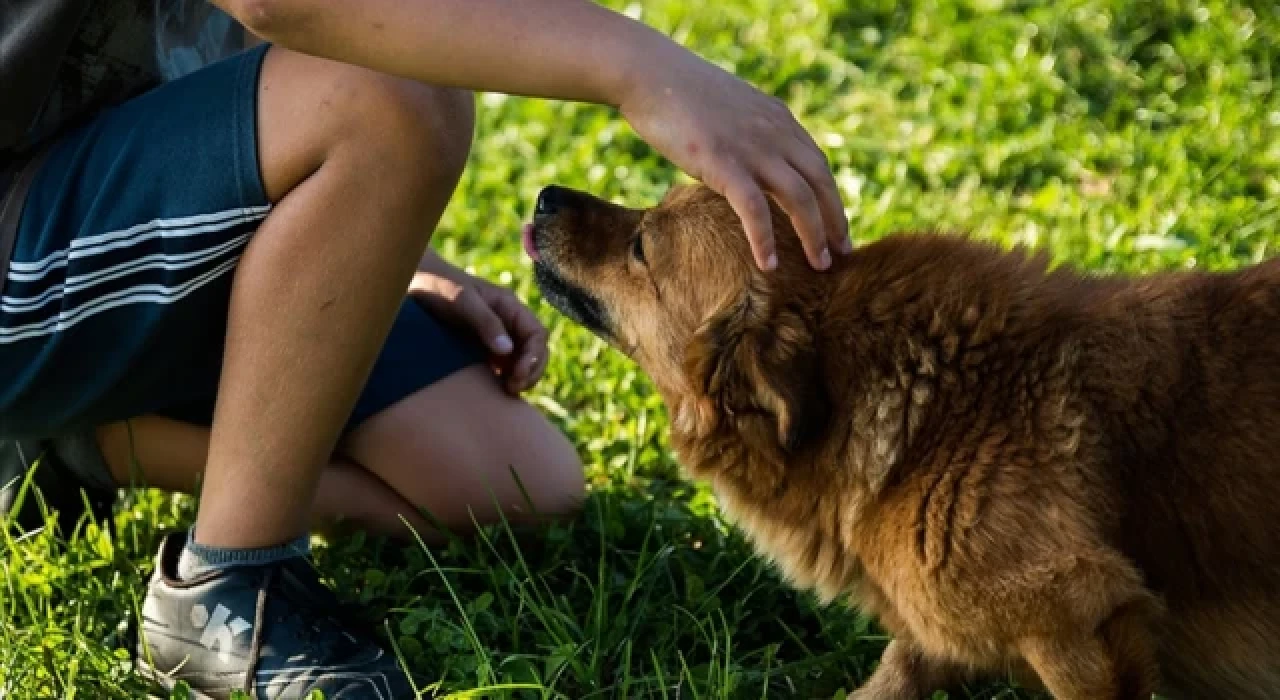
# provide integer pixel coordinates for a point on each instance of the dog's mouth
(527, 234)
(571, 300)
(564, 296)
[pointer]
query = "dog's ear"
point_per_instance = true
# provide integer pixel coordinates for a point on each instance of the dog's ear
(749, 359)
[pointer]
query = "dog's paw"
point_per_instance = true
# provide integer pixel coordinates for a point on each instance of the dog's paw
(905, 672)
(888, 684)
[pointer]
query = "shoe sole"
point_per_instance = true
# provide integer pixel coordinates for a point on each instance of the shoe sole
(164, 684)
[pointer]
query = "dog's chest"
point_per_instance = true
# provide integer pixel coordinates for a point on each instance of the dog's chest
(809, 553)
(828, 549)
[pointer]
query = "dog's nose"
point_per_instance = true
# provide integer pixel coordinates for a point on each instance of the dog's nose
(550, 200)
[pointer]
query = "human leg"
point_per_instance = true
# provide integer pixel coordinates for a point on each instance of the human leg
(358, 168)
(432, 430)
(453, 480)
(169, 455)
(357, 189)
(452, 449)
(126, 318)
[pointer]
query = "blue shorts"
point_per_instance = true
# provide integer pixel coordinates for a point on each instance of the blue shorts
(116, 301)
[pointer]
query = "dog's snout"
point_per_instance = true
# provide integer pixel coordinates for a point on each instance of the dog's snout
(551, 200)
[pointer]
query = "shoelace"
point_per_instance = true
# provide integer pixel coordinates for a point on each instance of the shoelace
(255, 646)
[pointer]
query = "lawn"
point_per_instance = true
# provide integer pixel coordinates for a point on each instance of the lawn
(1119, 135)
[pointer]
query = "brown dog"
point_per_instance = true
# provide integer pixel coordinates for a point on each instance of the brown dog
(1014, 469)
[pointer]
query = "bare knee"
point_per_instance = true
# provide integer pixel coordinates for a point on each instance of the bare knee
(533, 470)
(552, 475)
(464, 450)
(430, 127)
(390, 131)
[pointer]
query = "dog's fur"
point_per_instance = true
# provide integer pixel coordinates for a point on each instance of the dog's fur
(1071, 478)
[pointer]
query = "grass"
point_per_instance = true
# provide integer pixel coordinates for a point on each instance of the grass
(1119, 135)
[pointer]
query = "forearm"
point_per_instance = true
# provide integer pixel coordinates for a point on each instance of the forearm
(562, 49)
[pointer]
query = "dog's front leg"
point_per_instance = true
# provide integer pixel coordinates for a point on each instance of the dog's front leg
(1117, 662)
(906, 673)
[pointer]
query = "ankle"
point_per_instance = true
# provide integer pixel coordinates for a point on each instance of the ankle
(198, 559)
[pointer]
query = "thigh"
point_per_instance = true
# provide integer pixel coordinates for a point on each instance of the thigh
(115, 302)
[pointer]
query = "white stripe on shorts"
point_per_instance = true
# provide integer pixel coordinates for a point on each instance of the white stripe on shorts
(116, 240)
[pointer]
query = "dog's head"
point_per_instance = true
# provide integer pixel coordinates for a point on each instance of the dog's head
(675, 288)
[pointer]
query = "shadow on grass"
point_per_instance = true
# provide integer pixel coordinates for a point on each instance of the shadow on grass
(647, 594)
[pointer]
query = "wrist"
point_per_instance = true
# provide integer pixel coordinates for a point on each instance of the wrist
(630, 58)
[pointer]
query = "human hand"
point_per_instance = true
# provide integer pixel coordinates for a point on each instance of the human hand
(511, 332)
(744, 145)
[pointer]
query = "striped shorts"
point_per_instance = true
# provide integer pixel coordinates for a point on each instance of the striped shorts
(116, 299)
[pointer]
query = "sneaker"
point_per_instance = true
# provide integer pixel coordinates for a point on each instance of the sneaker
(273, 631)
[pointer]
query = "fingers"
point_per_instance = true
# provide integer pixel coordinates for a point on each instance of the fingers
(813, 166)
(527, 371)
(749, 203)
(530, 335)
(750, 144)
(802, 184)
(476, 312)
(796, 197)
(533, 354)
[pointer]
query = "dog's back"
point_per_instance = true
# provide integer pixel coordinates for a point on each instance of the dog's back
(1177, 377)
(1184, 377)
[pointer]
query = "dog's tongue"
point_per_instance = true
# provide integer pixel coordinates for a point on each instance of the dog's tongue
(526, 236)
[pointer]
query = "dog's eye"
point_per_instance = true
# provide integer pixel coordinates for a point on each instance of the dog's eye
(637, 248)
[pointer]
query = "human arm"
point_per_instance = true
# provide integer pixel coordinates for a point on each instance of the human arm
(714, 126)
